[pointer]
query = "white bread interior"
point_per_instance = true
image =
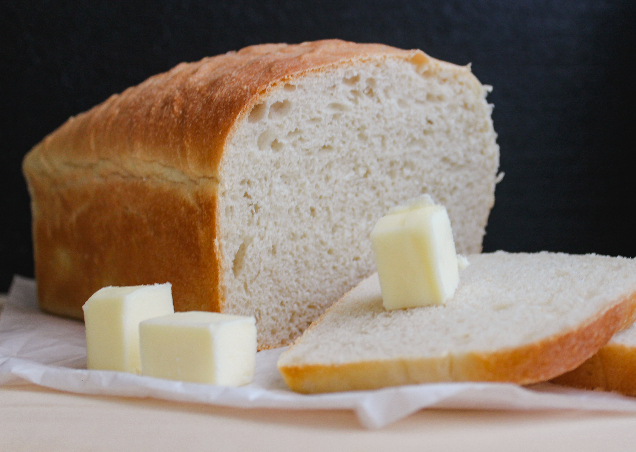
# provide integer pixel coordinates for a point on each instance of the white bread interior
(321, 159)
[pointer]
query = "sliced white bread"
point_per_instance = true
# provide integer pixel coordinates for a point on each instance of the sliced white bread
(520, 318)
(613, 368)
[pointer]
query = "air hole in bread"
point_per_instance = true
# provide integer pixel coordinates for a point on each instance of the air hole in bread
(326, 147)
(294, 133)
(280, 108)
(257, 113)
(351, 80)
(312, 211)
(289, 87)
(276, 145)
(430, 97)
(265, 139)
(239, 258)
(337, 106)
(355, 96)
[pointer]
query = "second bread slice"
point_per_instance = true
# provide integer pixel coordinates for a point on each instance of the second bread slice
(613, 368)
(520, 318)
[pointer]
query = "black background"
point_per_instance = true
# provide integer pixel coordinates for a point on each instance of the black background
(563, 77)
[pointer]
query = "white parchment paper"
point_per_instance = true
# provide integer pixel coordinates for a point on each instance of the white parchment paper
(51, 351)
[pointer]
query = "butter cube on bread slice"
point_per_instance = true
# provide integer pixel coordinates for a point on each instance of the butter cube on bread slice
(199, 347)
(112, 316)
(520, 318)
(415, 255)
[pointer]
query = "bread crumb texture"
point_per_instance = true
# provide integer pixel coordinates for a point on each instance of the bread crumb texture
(322, 159)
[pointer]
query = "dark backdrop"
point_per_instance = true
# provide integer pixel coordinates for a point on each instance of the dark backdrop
(563, 77)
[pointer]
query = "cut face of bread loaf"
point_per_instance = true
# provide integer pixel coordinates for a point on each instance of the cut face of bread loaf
(520, 318)
(251, 180)
(613, 368)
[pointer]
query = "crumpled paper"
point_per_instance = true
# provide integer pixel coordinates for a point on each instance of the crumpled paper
(50, 351)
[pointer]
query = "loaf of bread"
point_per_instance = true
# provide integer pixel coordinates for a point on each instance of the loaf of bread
(251, 180)
(520, 318)
(613, 368)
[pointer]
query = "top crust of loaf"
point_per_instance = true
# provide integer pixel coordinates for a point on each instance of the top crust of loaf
(182, 119)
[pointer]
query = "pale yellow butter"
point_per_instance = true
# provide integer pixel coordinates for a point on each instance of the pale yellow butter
(415, 255)
(112, 317)
(199, 347)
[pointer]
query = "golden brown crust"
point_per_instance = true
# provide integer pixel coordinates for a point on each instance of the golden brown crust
(171, 128)
(82, 244)
(527, 364)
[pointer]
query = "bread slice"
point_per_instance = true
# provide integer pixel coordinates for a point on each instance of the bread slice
(520, 318)
(613, 368)
(251, 180)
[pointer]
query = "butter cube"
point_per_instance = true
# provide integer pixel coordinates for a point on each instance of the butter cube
(112, 317)
(415, 255)
(199, 347)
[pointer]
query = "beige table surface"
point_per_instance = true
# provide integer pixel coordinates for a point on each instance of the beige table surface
(38, 419)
